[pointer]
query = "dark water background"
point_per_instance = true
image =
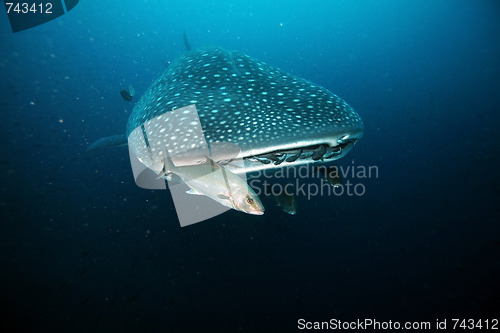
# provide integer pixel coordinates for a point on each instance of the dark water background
(83, 249)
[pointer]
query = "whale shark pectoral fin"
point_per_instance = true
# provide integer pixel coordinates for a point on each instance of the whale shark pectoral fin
(108, 142)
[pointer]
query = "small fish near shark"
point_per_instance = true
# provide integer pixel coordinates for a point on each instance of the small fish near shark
(217, 183)
(285, 200)
(275, 119)
(129, 94)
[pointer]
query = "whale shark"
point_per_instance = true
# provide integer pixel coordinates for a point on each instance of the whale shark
(275, 119)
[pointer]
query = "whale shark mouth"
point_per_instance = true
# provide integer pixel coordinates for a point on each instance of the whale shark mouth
(298, 155)
(309, 153)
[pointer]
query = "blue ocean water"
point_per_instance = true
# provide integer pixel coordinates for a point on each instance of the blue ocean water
(82, 248)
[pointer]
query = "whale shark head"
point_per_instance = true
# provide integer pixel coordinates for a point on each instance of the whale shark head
(275, 119)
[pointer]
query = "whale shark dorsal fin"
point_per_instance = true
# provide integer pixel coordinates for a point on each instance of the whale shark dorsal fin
(108, 142)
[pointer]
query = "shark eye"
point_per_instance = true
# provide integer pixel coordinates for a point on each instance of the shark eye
(249, 201)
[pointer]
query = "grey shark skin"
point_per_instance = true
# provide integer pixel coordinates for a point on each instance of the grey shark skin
(276, 119)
